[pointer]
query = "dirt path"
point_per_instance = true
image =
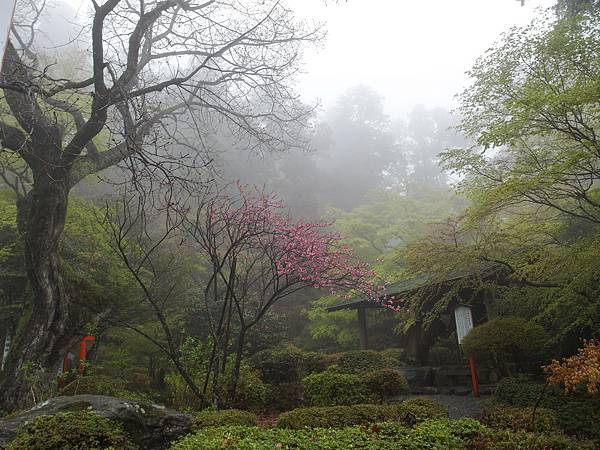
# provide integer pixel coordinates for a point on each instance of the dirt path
(461, 405)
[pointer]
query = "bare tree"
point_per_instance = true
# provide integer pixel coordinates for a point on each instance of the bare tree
(150, 245)
(157, 69)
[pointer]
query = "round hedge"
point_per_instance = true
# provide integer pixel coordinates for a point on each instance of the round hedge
(361, 361)
(506, 340)
(385, 383)
(285, 365)
(71, 431)
(329, 388)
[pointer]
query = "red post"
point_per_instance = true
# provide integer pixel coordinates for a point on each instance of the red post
(83, 350)
(474, 380)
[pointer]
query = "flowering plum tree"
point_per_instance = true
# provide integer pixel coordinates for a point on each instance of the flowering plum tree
(259, 256)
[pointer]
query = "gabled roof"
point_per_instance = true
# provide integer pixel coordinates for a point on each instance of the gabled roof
(412, 284)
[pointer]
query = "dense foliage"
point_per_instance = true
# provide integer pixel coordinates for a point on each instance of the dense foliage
(581, 371)
(71, 431)
(529, 236)
(515, 418)
(360, 361)
(216, 294)
(438, 433)
(408, 412)
(385, 383)
(284, 365)
(329, 388)
(575, 415)
(506, 340)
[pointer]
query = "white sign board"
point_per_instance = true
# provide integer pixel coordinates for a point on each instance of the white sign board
(7, 8)
(464, 322)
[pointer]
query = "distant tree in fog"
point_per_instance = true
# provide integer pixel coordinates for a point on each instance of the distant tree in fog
(425, 134)
(361, 147)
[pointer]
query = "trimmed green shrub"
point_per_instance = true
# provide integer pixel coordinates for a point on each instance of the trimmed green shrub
(327, 389)
(71, 431)
(285, 396)
(385, 383)
(517, 391)
(285, 365)
(432, 434)
(407, 412)
(468, 433)
(179, 395)
(516, 418)
(225, 417)
(338, 416)
(278, 365)
(251, 392)
(517, 440)
(243, 438)
(438, 434)
(422, 408)
(312, 362)
(506, 340)
(330, 359)
(361, 361)
(575, 415)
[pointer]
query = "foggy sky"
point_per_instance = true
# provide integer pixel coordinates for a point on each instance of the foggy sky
(410, 51)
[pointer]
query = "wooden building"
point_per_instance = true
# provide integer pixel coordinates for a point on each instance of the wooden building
(430, 300)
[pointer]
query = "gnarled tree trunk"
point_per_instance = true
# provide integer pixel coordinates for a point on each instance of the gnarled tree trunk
(43, 336)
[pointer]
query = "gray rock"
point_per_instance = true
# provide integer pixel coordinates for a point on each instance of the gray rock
(150, 426)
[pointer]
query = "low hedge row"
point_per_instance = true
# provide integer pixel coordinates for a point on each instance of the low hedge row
(85, 430)
(431, 434)
(409, 412)
(290, 364)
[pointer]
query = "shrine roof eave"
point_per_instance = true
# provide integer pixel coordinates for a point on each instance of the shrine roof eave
(405, 287)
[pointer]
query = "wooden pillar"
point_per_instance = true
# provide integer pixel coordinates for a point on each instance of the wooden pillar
(361, 312)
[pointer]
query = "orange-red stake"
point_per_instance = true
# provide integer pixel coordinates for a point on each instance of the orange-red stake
(474, 380)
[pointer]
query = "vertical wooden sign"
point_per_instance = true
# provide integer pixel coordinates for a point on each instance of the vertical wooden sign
(464, 323)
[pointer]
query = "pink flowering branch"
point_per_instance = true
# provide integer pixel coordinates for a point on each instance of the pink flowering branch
(259, 256)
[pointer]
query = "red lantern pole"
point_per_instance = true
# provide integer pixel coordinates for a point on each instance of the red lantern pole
(474, 380)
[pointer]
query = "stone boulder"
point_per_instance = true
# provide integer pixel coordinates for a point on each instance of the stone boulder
(150, 426)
